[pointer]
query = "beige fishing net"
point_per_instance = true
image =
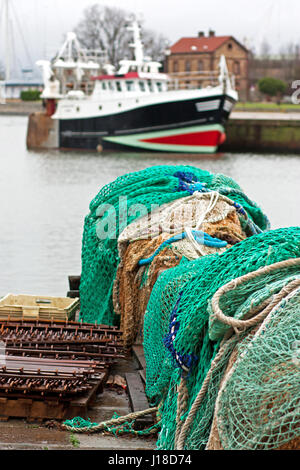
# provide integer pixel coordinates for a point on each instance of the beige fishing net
(133, 284)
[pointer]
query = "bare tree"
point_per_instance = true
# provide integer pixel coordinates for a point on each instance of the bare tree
(289, 51)
(155, 45)
(105, 28)
(265, 50)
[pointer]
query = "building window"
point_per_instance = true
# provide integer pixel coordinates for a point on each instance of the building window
(229, 46)
(236, 68)
(187, 66)
(200, 66)
(175, 66)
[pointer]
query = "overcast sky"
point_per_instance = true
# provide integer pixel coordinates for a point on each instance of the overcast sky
(42, 23)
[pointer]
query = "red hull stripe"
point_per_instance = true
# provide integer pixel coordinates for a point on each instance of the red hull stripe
(209, 138)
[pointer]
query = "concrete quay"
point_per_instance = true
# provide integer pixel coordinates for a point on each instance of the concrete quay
(20, 108)
(262, 132)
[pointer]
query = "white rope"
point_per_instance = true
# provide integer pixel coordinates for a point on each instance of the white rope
(214, 197)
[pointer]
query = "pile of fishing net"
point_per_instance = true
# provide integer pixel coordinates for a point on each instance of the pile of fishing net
(159, 241)
(147, 222)
(222, 341)
(184, 261)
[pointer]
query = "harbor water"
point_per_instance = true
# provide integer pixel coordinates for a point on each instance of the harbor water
(44, 197)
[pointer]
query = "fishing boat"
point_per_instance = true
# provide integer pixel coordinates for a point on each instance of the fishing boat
(135, 107)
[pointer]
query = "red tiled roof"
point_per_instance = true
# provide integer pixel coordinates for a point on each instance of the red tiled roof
(198, 44)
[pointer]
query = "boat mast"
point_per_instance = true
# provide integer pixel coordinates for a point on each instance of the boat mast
(137, 44)
(7, 41)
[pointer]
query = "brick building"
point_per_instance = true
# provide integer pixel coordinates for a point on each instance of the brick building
(193, 61)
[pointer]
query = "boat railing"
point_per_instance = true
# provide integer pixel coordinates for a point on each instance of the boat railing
(194, 79)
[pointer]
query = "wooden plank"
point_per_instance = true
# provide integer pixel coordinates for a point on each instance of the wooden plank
(49, 408)
(137, 399)
(138, 351)
(143, 375)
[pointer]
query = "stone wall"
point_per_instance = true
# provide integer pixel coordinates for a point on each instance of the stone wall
(269, 135)
(42, 132)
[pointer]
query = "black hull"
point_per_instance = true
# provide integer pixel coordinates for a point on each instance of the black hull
(114, 132)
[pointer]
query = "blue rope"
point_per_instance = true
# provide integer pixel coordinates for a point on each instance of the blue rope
(189, 182)
(186, 176)
(183, 360)
(201, 237)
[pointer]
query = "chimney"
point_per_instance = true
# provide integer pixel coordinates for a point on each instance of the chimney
(211, 33)
(201, 34)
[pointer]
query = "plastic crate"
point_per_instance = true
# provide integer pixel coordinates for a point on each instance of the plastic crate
(37, 307)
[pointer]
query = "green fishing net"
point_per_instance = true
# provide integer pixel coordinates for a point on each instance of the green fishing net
(259, 405)
(182, 337)
(124, 200)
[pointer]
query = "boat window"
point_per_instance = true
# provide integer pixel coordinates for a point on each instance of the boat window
(142, 86)
(159, 87)
(110, 86)
(118, 85)
(130, 85)
(103, 85)
(150, 85)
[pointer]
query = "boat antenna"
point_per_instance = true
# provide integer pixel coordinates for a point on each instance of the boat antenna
(137, 44)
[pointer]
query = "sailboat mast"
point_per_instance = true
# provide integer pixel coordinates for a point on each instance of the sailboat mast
(7, 41)
(7, 34)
